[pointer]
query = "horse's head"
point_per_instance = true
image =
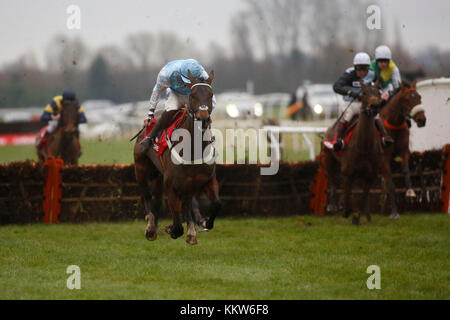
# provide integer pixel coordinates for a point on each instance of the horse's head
(69, 117)
(370, 99)
(411, 101)
(200, 100)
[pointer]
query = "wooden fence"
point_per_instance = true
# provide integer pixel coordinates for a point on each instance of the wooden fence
(110, 192)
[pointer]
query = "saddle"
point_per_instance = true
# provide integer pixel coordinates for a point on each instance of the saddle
(160, 143)
(347, 136)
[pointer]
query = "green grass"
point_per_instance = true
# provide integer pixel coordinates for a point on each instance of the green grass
(267, 258)
(94, 152)
(121, 152)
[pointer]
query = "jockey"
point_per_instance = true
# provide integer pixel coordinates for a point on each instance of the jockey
(172, 79)
(387, 70)
(349, 86)
(52, 113)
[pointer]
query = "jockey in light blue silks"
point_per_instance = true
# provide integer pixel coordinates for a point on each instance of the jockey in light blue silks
(172, 78)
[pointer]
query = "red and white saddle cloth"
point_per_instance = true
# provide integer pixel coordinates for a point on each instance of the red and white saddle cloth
(160, 142)
(347, 137)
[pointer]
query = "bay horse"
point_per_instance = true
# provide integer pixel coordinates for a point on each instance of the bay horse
(63, 143)
(404, 105)
(181, 180)
(360, 158)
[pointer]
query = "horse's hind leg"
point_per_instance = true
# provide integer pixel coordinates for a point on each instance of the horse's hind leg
(212, 192)
(142, 176)
(197, 215)
(191, 235)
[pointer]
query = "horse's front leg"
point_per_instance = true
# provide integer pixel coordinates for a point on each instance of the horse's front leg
(389, 186)
(191, 236)
(363, 201)
(212, 192)
(175, 206)
(347, 196)
(406, 174)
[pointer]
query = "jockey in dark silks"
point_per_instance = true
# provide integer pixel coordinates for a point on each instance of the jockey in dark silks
(349, 86)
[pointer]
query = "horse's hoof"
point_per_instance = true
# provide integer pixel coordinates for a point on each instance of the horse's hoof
(190, 239)
(202, 228)
(369, 218)
(174, 233)
(210, 224)
(355, 221)
(151, 235)
(394, 216)
(410, 193)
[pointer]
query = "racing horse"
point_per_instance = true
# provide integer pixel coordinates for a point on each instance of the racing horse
(63, 143)
(404, 105)
(360, 158)
(182, 179)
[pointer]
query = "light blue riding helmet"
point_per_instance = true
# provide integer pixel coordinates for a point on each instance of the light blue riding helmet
(193, 66)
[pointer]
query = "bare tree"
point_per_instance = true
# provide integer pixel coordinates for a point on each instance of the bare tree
(141, 45)
(240, 36)
(65, 54)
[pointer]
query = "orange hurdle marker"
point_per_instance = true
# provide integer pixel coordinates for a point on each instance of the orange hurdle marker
(319, 197)
(51, 203)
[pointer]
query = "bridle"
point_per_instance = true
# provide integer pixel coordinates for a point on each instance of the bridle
(202, 107)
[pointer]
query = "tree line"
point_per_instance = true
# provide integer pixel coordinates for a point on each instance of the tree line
(276, 44)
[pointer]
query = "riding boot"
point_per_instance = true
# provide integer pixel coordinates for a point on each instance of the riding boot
(338, 145)
(387, 139)
(160, 125)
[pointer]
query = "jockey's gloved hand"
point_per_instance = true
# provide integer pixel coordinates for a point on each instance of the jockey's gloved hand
(354, 94)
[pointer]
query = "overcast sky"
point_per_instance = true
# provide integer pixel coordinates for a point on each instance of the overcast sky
(27, 25)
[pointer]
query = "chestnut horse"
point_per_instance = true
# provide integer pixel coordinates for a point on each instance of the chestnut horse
(405, 104)
(361, 158)
(63, 143)
(182, 180)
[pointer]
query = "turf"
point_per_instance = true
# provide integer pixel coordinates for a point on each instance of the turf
(299, 257)
(118, 151)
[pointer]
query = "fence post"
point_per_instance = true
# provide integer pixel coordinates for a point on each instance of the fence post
(51, 203)
(318, 200)
(445, 195)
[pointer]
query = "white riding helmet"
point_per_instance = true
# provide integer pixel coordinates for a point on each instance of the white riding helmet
(361, 58)
(383, 52)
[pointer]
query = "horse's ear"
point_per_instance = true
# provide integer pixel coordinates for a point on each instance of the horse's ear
(192, 78)
(362, 84)
(211, 77)
(402, 86)
(413, 84)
